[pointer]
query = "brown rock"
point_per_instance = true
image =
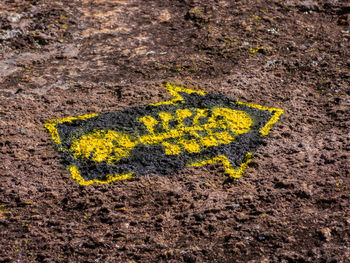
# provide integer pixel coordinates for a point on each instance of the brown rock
(325, 234)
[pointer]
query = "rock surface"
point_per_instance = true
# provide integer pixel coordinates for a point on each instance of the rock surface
(66, 58)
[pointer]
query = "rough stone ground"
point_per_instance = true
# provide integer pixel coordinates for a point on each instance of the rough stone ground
(65, 58)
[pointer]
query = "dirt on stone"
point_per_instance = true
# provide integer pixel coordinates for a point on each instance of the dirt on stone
(67, 58)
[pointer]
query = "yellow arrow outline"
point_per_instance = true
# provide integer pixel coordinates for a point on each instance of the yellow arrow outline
(174, 90)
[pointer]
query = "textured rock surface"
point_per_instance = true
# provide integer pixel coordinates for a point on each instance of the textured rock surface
(65, 58)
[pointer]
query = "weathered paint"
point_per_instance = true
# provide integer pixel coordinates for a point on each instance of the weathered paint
(193, 129)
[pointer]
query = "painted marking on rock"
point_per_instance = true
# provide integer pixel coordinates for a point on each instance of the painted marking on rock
(193, 129)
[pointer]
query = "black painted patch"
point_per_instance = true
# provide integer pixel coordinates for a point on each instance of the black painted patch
(146, 159)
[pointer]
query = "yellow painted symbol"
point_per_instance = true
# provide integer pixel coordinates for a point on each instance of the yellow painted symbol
(221, 127)
(178, 127)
